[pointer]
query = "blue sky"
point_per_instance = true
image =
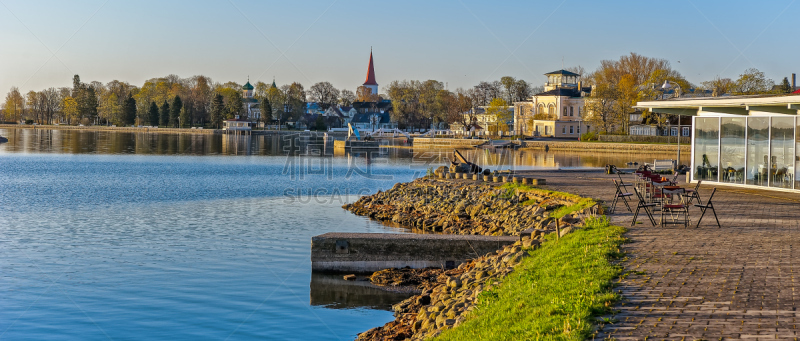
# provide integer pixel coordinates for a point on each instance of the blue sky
(459, 42)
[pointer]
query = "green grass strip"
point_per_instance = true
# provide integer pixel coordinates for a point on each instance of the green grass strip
(556, 294)
(579, 202)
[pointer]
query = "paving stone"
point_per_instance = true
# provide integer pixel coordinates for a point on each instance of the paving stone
(734, 282)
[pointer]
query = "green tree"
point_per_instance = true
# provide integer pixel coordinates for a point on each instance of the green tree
(498, 109)
(153, 114)
(164, 114)
(266, 110)
(753, 82)
(186, 115)
(175, 111)
(234, 105)
(129, 110)
(217, 110)
(786, 87)
(320, 123)
(509, 85)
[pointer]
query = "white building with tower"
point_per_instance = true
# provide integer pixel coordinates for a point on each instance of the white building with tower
(556, 112)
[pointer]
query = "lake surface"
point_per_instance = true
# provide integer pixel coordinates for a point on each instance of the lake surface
(172, 237)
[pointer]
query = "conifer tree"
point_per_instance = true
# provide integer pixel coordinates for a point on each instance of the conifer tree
(165, 114)
(153, 114)
(217, 107)
(266, 111)
(129, 110)
(175, 111)
(786, 87)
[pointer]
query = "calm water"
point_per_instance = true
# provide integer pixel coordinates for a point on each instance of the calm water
(164, 237)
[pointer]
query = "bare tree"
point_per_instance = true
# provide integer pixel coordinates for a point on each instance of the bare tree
(719, 86)
(324, 93)
(346, 98)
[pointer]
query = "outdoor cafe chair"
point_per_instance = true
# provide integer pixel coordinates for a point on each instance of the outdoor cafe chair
(694, 194)
(645, 206)
(623, 183)
(675, 210)
(620, 195)
(707, 206)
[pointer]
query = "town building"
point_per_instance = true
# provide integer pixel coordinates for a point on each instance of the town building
(251, 108)
(673, 125)
(556, 112)
(745, 141)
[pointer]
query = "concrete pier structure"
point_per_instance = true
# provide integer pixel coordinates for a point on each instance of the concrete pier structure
(369, 252)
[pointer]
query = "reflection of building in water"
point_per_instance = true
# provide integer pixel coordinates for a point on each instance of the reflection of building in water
(236, 144)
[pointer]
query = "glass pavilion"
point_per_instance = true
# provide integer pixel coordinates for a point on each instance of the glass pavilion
(751, 141)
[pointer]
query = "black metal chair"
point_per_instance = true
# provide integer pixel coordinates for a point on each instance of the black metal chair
(623, 183)
(620, 195)
(643, 205)
(693, 194)
(707, 206)
(675, 210)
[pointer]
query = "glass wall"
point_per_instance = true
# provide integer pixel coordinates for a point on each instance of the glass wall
(757, 150)
(732, 148)
(706, 148)
(795, 171)
(781, 152)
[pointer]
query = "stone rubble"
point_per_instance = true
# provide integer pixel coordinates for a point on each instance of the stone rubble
(457, 207)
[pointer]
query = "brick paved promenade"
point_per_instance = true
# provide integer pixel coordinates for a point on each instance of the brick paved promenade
(737, 282)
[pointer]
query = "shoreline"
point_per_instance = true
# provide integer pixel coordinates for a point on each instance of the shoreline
(418, 142)
(152, 130)
(537, 216)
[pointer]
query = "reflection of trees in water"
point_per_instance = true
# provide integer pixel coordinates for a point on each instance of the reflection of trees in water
(395, 150)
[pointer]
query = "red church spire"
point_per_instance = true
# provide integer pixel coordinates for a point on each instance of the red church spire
(370, 72)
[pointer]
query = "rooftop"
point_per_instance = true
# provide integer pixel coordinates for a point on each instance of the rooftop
(563, 73)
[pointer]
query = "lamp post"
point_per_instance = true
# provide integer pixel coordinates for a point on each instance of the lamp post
(664, 88)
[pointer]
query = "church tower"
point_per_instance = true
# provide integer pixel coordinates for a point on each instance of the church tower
(370, 82)
(247, 89)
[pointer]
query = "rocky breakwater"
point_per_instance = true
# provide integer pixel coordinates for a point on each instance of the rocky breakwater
(467, 207)
(448, 299)
(463, 207)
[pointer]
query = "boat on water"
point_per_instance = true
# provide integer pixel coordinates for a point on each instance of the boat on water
(3, 139)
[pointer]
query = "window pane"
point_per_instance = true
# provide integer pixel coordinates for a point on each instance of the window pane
(733, 147)
(782, 158)
(706, 148)
(757, 148)
(795, 171)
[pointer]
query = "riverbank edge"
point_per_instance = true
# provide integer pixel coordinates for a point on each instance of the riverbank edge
(161, 130)
(452, 302)
(553, 145)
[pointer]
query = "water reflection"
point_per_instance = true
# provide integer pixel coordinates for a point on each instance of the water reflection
(331, 291)
(394, 151)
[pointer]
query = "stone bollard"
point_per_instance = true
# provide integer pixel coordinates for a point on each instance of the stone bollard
(448, 176)
(539, 181)
(496, 179)
(487, 178)
(506, 178)
(441, 175)
(527, 181)
(476, 177)
(517, 180)
(467, 176)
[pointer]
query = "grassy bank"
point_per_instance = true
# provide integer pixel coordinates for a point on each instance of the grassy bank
(579, 204)
(555, 294)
